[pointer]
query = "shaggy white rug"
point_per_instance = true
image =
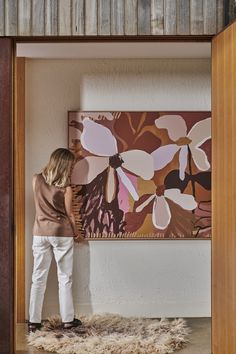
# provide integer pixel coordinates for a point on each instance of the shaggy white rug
(112, 334)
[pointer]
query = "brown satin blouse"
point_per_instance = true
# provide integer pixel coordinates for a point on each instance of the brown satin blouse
(51, 218)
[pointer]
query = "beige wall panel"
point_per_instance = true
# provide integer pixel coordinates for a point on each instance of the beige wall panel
(224, 192)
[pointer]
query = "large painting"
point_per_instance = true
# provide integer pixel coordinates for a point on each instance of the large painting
(141, 175)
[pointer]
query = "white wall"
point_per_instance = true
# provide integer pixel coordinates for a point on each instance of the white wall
(147, 278)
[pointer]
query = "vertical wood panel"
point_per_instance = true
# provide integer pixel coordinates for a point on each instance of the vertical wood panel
(2, 18)
(19, 187)
(91, 25)
(24, 17)
(209, 11)
(170, 17)
(104, 17)
(64, 17)
(6, 207)
(196, 16)
(131, 17)
(78, 16)
(144, 17)
(38, 17)
(183, 17)
(117, 17)
(11, 17)
(224, 192)
(220, 15)
(51, 18)
(157, 17)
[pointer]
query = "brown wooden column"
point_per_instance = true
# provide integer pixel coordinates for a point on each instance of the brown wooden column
(6, 205)
(224, 192)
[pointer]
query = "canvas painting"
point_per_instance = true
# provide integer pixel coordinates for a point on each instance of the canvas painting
(141, 175)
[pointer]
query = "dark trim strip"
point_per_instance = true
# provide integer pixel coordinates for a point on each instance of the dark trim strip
(128, 38)
(6, 204)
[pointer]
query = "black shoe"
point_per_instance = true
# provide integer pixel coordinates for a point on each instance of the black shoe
(32, 327)
(72, 324)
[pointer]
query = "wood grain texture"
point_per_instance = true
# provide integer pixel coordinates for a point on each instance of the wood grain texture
(19, 187)
(196, 17)
(170, 17)
(78, 16)
(183, 17)
(2, 17)
(209, 11)
(38, 17)
(24, 17)
(117, 17)
(104, 17)
(224, 191)
(6, 207)
(144, 17)
(64, 17)
(131, 17)
(157, 17)
(91, 24)
(11, 17)
(220, 15)
(51, 17)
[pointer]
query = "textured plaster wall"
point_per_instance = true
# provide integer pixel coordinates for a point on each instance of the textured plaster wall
(147, 278)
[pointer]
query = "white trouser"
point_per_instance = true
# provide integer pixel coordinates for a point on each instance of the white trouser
(43, 249)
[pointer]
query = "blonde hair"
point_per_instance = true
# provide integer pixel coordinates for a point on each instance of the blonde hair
(57, 171)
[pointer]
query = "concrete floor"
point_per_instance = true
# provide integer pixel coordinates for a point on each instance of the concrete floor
(199, 339)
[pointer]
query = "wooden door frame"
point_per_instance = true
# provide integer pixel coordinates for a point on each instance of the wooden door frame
(6, 200)
(19, 157)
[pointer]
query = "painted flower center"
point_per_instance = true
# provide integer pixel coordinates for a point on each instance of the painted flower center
(115, 161)
(160, 190)
(183, 141)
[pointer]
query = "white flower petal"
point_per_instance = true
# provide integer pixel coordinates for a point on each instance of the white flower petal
(127, 183)
(161, 213)
(87, 169)
(200, 158)
(174, 124)
(98, 139)
(145, 203)
(111, 185)
(200, 132)
(183, 160)
(163, 155)
(139, 162)
(186, 201)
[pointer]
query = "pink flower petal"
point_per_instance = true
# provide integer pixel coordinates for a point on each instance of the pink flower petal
(183, 160)
(186, 201)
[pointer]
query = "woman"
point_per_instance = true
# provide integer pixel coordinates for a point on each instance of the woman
(53, 234)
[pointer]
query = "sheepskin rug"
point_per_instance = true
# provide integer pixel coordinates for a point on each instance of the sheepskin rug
(113, 334)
